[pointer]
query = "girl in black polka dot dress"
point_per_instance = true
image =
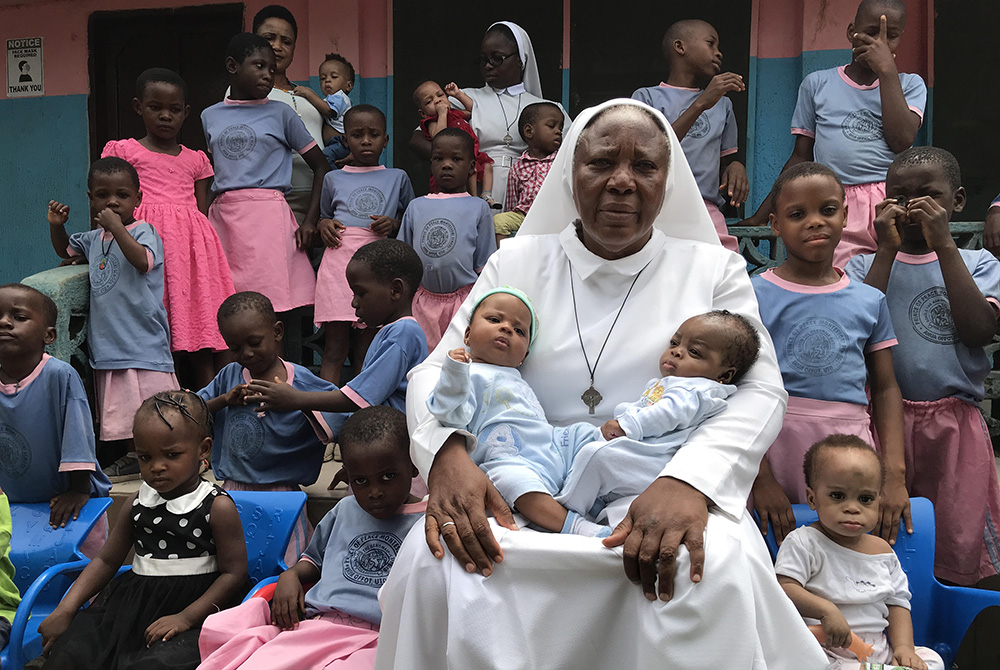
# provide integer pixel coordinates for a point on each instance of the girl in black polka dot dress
(190, 556)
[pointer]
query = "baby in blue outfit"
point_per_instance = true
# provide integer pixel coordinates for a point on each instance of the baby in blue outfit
(557, 476)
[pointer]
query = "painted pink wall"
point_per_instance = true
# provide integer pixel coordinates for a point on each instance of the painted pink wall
(324, 26)
(786, 28)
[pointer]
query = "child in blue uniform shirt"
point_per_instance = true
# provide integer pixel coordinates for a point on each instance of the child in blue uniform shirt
(46, 431)
(256, 450)
(694, 101)
(857, 118)
(383, 276)
(127, 331)
(451, 231)
(944, 303)
(360, 204)
(348, 560)
(270, 450)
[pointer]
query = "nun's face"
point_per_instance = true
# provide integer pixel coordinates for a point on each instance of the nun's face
(499, 61)
(619, 175)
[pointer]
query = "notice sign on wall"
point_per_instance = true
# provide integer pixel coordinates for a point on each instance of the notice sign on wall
(24, 67)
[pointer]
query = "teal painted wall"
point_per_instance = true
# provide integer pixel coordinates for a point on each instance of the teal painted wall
(45, 157)
(776, 86)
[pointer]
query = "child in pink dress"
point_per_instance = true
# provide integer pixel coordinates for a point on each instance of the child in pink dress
(175, 182)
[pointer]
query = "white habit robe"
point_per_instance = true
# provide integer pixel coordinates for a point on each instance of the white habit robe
(561, 601)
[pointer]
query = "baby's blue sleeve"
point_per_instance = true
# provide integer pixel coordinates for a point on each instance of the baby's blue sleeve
(453, 401)
(679, 407)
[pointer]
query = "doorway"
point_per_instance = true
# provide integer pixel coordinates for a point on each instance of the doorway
(601, 69)
(966, 107)
(190, 41)
(444, 47)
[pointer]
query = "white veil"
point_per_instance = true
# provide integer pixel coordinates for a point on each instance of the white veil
(683, 213)
(529, 75)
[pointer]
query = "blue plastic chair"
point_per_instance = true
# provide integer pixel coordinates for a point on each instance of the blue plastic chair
(941, 614)
(268, 518)
(35, 549)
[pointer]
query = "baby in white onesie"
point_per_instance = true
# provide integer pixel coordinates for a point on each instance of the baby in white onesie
(837, 574)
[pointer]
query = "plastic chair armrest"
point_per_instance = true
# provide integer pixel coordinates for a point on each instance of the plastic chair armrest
(23, 614)
(263, 589)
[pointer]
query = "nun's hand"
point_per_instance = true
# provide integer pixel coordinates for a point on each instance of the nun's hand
(666, 515)
(460, 495)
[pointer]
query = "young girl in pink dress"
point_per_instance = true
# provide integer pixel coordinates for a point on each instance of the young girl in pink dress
(175, 183)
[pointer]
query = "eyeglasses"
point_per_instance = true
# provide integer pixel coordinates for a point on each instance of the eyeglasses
(496, 60)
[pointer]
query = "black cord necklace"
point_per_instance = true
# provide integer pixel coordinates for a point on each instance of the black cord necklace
(507, 139)
(592, 397)
(105, 252)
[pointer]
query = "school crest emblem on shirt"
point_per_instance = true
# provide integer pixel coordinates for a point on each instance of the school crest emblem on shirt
(930, 314)
(237, 141)
(816, 346)
(365, 201)
(438, 238)
(701, 127)
(244, 433)
(15, 453)
(862, 126)
(369, 558)
(104, 274)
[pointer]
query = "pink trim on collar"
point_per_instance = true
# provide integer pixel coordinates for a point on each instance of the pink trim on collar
(443, 196)
(794, 287)
(289, 372)
(678, 88)
(11, 389)
(853, 84)
(105, 235)
(916, 259)
(362, 168)
(230, 101)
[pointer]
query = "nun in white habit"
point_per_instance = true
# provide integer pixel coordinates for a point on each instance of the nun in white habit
(508, 65)
(616, 252)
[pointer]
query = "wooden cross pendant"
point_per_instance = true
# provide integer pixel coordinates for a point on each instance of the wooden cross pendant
(591, 398)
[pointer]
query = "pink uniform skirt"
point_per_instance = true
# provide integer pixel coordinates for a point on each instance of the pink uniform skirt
(719, 221)
(949, 459)
(243, 637)
(859, 235)
(257, 230)
(333, 295)
(808, 421)
(434, 311)
(119, 394)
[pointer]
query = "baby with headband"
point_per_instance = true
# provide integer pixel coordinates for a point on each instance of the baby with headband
(558, 476)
